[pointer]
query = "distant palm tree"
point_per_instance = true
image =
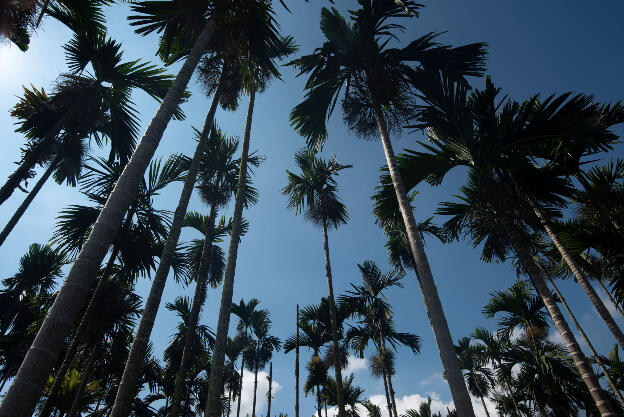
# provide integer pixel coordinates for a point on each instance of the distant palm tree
(378, 99)
(314, 192)
(261, 348)
(479, 378)
(317, 377)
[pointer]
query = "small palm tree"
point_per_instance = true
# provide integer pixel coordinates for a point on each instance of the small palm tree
(314, 192)
(378, 99)
(261, 348)
(479, 377)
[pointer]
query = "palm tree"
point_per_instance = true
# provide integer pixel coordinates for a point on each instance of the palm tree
(352, 394)
(479, 378)
(424, 410)
(314, 192)
(21, 398)
(377, 100)
(317, 377)
(246, 313)
(261, 348)
(264, 47)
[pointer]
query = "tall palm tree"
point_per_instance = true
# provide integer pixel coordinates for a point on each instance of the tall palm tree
(21, 398)
(377, 100)
(479, 378)
(261, 348)
(245, 313)
(314, 192)
(264, 48)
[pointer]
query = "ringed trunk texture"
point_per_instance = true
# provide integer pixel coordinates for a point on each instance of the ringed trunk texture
(253, 407)
(334, 323)
(21, 173)
(198, 302)
(587, 373)
(25, 390)
(616, 391)
(218, 356)
(132, 371)
(29, 198)
(427, 284)
(269, 396)
(86, 374)
(240, 386)
(84, 322)
(297, 367)
(580, 277)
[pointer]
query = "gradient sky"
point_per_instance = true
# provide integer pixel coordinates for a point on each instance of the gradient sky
(534, 46)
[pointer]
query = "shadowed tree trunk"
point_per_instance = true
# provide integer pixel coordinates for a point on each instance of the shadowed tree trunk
(86, 374)
(487, 413)
(132, 371)
(218, 356)
(563, 301)
(253, 407)
(608, 293)
(240, 386)
(441, 331)
(334, 323)
(269, 396)
(587, 373)
(198, 301)
(318, 401)
(389, 376)
(29, 198)
(385, 381)
(580, 276)
(296, 367)
(25, 390)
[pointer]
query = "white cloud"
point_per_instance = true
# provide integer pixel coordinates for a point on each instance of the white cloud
(433, 379)
(261, 395)
(355, 364)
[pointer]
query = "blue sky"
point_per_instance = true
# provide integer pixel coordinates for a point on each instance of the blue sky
(534, 46)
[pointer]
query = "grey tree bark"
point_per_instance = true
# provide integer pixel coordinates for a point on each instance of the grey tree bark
(253, 407)
(441, 331)
(25, 390)
(269, 396)
(218, 356)
(198, 302)
(388, 401)
(616, 391)
(29, 198)
(587, 373)
(334, 323)
(135, 359)
(580, 276)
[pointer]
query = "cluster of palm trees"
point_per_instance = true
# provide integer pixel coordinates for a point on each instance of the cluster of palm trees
(85, 347)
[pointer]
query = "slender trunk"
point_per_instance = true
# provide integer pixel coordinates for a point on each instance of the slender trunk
(84, 322)
(587, 373)
(86, 374)
(297, 367)
(334, 323)
(198, 302)
(580, 277)
(25, 390)
(240, 386)
(29, 198)
(253, 407)
(134, 363)
(388, 401)
(616, 391)
(269, 397)
(30, 161)
(606, 291)
(391, 390)
(387, 374)
(318, 401)
(325, 409)
(216, 373)
(229, 410)
(427, 284)
(487, 413)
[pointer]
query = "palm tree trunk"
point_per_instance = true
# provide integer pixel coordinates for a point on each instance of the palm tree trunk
(84, 322)
(325, 409)
(29, 198)
(487, 413)
(30, 161)
(616, 391)
(387, 374)
(608, 293)
(198, 302)
(587, 373)
(253, 407)
(25, 390)
(240, 386)
(297, 367)
(427, 284)
(391, 390)
(229, 410)
(318, 401)
(134, 363)
(269, 397)
(86, 374)
(580, 277)
(218, 355)
(334, 323)
(388, 401)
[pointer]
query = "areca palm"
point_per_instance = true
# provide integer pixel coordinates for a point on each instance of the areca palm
(314, 192)
(378, 99)
(479, 378)
(21, 398)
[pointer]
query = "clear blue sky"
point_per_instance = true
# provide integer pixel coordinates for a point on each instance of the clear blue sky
(534, 46)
